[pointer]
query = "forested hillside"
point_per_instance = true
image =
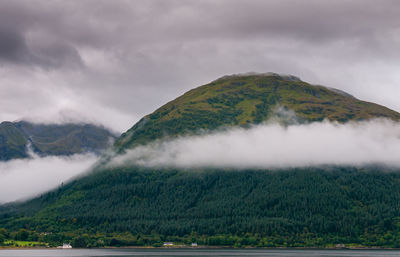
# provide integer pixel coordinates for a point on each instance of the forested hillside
(309, 206)
(294, 207)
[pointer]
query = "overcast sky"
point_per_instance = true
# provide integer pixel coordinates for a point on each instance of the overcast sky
(112, 62)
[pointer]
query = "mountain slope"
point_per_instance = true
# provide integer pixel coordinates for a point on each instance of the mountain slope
(52, 139)
(13, 142)
(315, 206)
(239, 100)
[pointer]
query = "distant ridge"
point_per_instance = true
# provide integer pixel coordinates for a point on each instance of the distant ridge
(51, 139)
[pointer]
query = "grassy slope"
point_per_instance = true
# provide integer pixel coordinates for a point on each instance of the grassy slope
(241, 100)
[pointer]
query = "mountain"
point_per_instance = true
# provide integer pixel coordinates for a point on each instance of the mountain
(293, 207)
(239, 100)
(51, 139)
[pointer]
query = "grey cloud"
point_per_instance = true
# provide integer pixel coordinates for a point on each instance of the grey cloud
(22, 43)
(125, 26)
(12, 46)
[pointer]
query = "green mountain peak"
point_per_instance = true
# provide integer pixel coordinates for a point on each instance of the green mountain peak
(249, 98)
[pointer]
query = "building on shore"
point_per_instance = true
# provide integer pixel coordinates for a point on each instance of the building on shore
(65, 246)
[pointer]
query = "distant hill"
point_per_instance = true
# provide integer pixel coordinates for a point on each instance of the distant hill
(53, 139)
(239, 100)
(293, 207)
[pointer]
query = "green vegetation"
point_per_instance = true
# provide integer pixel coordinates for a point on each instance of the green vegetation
(248, 99)
(63, 139)
(297, 207)
(20, 238)
(12, 243)
(303, 207)
(12, 142)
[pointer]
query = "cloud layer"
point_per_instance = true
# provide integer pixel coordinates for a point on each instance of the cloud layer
(267, 146)
(112, 62)
(275, 146)
(24, 178)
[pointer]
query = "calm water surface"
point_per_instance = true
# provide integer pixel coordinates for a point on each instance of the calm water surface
(196, 252)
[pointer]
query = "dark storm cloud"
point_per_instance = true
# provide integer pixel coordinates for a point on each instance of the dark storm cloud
(23, 42)
(114, 61)
(12, 46)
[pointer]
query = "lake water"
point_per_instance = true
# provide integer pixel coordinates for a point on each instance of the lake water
(196, 252)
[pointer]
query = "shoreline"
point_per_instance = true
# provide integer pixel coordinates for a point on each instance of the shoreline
(204, 248)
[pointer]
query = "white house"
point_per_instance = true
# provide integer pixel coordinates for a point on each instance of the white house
(65, 246)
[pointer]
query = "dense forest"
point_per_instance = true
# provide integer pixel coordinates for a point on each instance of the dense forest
(297, 207)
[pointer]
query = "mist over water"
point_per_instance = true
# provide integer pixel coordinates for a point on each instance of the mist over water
(272, 145)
